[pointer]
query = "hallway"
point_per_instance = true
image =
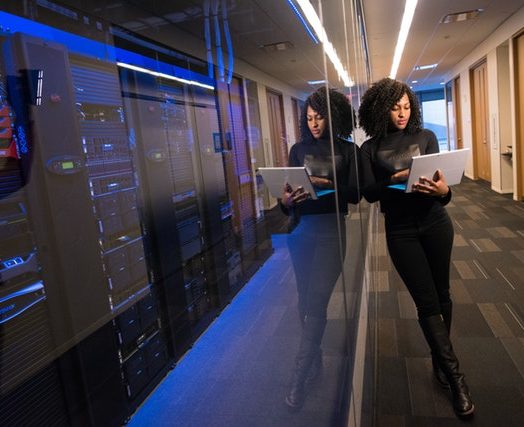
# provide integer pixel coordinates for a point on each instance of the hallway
(243, 383)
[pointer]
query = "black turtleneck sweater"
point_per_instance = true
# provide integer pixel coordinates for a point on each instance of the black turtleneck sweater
(381, 158)
(316, 156)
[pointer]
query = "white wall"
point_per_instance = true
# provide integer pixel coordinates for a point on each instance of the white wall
(493, 115)
(466, 114)
(503, 130)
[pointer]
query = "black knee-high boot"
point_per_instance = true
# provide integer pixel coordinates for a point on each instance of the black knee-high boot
(446, 310)
(308, 351)
(437, 336)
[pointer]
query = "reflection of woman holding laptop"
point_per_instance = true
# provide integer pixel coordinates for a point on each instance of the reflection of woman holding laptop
(314, 243)
(419, 232)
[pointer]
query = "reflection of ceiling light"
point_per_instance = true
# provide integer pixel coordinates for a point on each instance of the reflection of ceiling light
(425, 67)
(280, 46)
(329, 49)
(414, 81)
(407, 18)
(304, 22)
(163, 75)
(461, 16)
(316, 82)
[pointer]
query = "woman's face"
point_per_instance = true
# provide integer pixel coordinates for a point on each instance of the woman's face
(400, 112)
(315, 122)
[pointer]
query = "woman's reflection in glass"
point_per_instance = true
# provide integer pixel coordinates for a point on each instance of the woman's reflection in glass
(314, 241)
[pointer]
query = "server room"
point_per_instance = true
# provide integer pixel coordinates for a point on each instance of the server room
(150, 277)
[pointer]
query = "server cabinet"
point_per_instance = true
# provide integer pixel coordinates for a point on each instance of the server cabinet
(249, 241)
(182, 188)
(216, 202)
(25, 336)
(59, 202)
(112, 181)
(38, 400)
(83, 258)
(144, 116)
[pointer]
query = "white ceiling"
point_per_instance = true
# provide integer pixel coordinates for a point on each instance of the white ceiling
(430, 41)
(255, 23)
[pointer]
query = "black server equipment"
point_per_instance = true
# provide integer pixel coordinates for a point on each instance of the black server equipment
(25, 335)
(39, 400)
(113, 187)
(244, 258)
(111, 180)
(216, 203)
(80, 198)
(199, 185)
(30, 386)
(59, 203)
(142, 350)
(183, 186)
(147, 129)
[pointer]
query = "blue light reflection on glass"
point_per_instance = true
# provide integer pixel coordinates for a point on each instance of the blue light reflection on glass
(83, 46)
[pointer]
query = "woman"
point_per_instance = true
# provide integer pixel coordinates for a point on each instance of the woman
(419, 232)
(314, 244)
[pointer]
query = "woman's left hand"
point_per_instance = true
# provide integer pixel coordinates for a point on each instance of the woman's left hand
(433, 187)
(321, 182)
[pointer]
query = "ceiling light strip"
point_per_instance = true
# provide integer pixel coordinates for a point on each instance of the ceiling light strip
(425, 67)
(163, 75)
(314, 20)
(407, 19)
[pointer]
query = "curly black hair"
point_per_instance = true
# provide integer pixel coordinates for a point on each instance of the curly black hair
(343, 115)
(377, 102)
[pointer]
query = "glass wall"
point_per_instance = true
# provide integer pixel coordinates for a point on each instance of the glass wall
(138, 235)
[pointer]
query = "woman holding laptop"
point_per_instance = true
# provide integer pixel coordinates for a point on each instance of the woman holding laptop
(419, 232)
(315, 249)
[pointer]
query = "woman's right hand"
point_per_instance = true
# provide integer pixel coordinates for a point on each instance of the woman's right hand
(400, 176)
(292, 197)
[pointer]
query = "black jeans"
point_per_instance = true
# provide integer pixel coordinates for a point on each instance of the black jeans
(420, 248)
(314, 249)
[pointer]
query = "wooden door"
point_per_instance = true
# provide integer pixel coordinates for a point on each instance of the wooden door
(518, 150)
(481, 142)
(457, 110)
(296, 117)
(277, 128)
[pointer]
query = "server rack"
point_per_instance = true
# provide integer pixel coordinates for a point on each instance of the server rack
(105, 322)
(25, 339)
(113, 187)
(93, 262)
(26, 345)
(250, 241)
(56, 188)
(183, 183)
